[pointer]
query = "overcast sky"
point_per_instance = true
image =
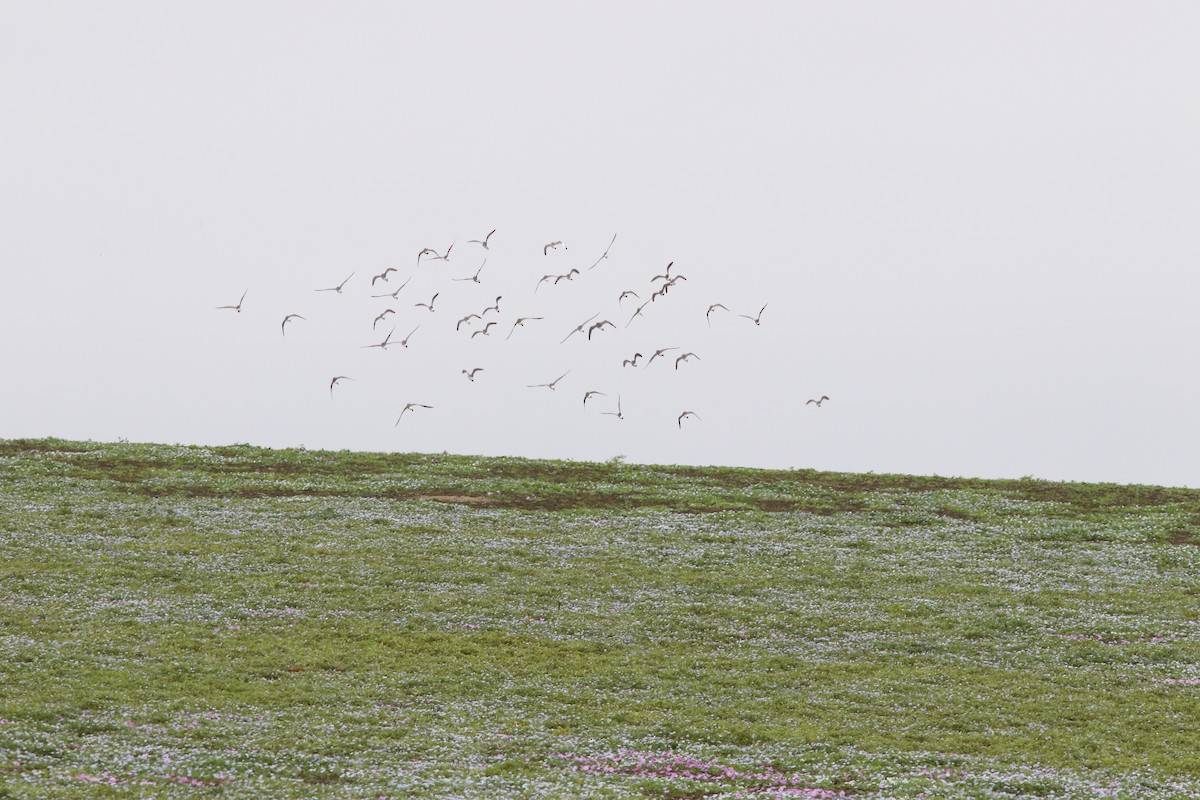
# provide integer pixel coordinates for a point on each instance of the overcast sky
(974, 227)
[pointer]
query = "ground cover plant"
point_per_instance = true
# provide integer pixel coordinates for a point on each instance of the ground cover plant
(239, 622)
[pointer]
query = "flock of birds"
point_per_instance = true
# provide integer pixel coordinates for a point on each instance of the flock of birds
(398, 300)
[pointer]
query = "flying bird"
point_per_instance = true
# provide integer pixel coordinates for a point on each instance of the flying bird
(551, 384)
(495, 307)
(474, 277)
(599, 326)
(386, 340)
(618, 414)
(483, 241)
(484, 331)
(605, 255)
(658, 353)
(665, 277)
(817, 403)
(394, 295)
(337, 288)
(637, 313)
(757, 320)
(570, 276)
(588, 395)
(467, 318)
(685, 415)
(712, 308)
(553, 246)
(382, 316)
(685, 357)
(579, 328)
(408, 406)
(520, 323)
(286, 320)
(471, 373)
(238, 307)
(631, 362)
(436, 256)
(428, 305)
(543, 280)
(383, 275)
(627, 293)
(404, 341)
(334, 382)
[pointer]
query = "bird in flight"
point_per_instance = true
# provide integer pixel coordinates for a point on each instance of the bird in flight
(435, 255)
(665, 277)
(404, 341)
(386, 340)
(474, 277)
(605, 255)
(712, 308)
(467, 318)
(684, 358)
(382, 316)
(484, 330)
(599, 326)
(394, 295)
(428, 305)
(684, 416)
(588, 395)
(637, 313)
(757, 320)
(631, 362)
(658, 353)
(238, 307)
(407, 407)
(335, 381)
(570, 276)
(551, 384)
(286, 320)
(520, 323)
(495, 307)
(470, 373)
(618, 414)
(337, 288)
(539, 283)
(553, 246)
(483, 241)
(579, 328)
(817, 403)
(627, 293)
(383, 275)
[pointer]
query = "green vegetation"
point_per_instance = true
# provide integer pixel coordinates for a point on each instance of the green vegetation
(239, 622)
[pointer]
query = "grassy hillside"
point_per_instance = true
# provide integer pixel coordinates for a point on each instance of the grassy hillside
(239, 622)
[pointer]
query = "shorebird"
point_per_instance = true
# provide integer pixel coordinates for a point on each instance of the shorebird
(408, 406)
(383, 275)
(588, 395)
(637, 313)
(436, 256)
(543, 280)
(474, 277)
(631, 362)
(684, 415)
(599, 326)
(520, 323)
(428, 305)
(618, 414)
(470, 373)
(579, 328)
(334, 382)
(551, 384)
(286, 320)
(664, 277)
(404, 341)
(484, 330)
(627, 293)
(570, 276)
(757, 320)
(685, 357)
(605, 255)
(394, 295)
(467, 318)
(483, 241)
(238, 307)
(817, 403)
(712, 308)
(658, 353)
(386, 340)
(495, 307)
(386, 311)
(553, 246)
(337, 288)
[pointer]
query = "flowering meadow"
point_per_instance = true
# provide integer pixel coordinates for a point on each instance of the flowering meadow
(237, 622)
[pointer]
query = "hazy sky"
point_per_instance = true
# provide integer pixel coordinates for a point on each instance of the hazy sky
(975, 227)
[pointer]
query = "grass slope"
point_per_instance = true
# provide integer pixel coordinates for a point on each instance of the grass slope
(240, 622)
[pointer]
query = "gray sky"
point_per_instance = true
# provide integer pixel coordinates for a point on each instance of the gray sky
(974, 227)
